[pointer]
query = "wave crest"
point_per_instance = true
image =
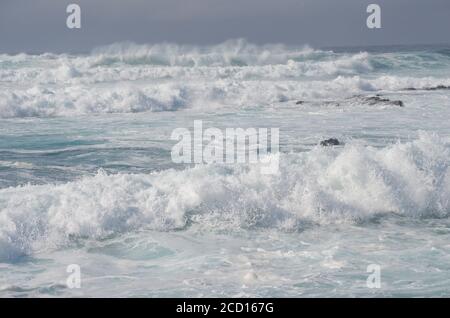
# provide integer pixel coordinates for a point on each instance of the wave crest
(350, 184)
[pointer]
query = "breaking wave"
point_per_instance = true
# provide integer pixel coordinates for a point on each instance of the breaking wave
(126, 77)
(41, 101)
(45, 102)
(354, 183)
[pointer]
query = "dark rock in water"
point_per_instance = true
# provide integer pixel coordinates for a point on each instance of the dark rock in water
(397, 103)
(330, 142)
(435, 88)
(376, 100)
(432, 88)
(372, 100)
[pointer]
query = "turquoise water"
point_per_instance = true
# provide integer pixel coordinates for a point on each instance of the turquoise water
(86, 175)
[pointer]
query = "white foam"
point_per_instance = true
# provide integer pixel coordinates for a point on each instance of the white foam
(326, 185)
(76, 100)
(123, 78)
(233, 52)
(16, 164)
(125, 97)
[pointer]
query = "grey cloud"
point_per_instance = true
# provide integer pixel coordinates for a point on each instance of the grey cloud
(39, 25)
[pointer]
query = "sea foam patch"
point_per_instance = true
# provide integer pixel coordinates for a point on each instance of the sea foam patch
(348, 184)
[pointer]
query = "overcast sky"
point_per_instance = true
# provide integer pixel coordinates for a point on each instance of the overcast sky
(40, 25)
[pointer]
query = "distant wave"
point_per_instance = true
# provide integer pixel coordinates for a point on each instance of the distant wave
(43, 102)
(353, 183)
(230, 53)
(124, 97)
(126, 77)
(238, 60)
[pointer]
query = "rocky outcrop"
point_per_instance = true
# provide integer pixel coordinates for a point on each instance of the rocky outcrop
(378, 100)
(432, 88)
(330, 142)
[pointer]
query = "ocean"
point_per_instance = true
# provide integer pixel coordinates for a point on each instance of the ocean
(87, 177)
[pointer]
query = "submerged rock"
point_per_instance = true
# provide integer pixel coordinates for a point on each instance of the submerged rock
(330, 142)
(355, 100)
(439, 87)
(397, 103)
(432, 88)
(377, 100)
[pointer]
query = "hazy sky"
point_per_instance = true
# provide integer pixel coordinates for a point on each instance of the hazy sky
(40, 25)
